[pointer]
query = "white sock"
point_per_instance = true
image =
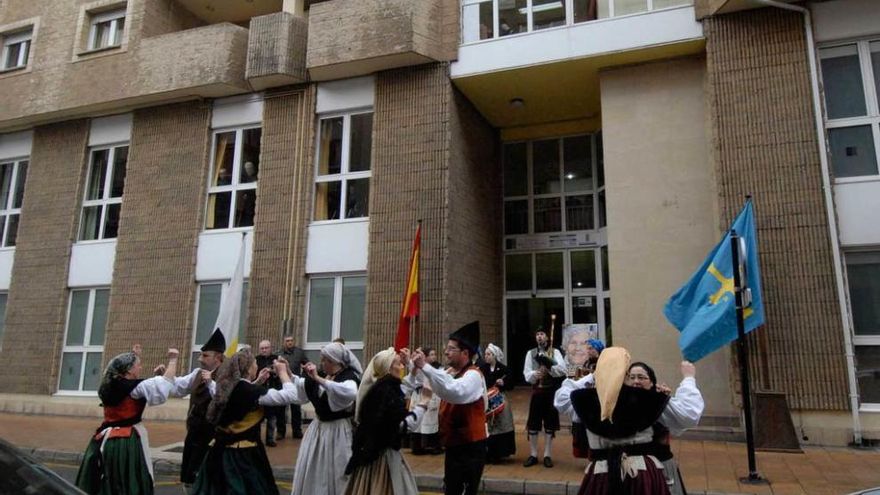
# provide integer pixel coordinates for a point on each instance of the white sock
(548, 443)
(533, 445)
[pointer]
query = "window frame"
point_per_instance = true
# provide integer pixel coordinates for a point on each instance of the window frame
(3, 294)
(85, 348)
(235, 184)
(116, 36)
(105, 201)
(344, 174)
(336, 320)
(195, 347)
(860, 340)
(7, 210)
(872, 104)
(25, 38)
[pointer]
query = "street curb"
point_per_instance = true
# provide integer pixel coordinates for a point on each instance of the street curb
(427, 482)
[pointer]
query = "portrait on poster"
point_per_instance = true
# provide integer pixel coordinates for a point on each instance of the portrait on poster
(575, 346)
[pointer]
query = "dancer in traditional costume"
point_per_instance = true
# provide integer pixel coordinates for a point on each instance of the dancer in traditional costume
(236, 462)
(580, 445)
(117, 460)
(326, 446)
(376, 466)
(502, 439)
(619, 419)
(462, 391)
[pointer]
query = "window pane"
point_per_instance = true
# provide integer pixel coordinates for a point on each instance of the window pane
(91, 223)
(579, 212)
(120, 27)
(583, 270)
(97, 174)
(875, 62)
(76, 322)
(361, 142)
(512, 17)
(585, 10)
(516, 180)
(545, 166)
(3, 220)
(93, 371)
(250, 155)
(3, 299)
(584, 310)
(602, 220)
(357, 198)
(842, 80)
(19, 184)
(548, 13)
(71, 366)
(518, 272)
(548, 215)
(12, 231)
(868, 373)
(578, 171)
(624, 7)
(330, 150)
(209, 307)
(516, 217)
(354, 299)
(662, 4)
(218, 210)
(327, 198)
(120, 162)
(548, 271)
(245, 207)
(863, 275)
(321, 310)
(224, 154)
(477, 23)
(606, 282)
(852, 151)
(5, 183)
(99, 317)
(13, 52)
(111, 221)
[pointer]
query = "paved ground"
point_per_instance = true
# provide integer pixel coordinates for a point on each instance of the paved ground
(707, 467)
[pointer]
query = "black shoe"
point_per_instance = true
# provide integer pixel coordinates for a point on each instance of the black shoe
(531, 461)
(548, 462)
(271, 444)
(297, 434)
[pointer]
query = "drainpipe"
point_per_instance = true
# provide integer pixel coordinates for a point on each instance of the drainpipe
(829, 210)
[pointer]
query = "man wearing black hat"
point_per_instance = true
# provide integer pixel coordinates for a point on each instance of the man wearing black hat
(462, 391)
(199, 431)
(545, 370)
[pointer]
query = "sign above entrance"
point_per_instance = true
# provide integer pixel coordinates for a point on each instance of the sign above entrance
(553, 241)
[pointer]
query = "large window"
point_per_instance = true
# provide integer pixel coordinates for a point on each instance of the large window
(851, 80)
(235, 168)
(12, 178)
(4, 297)
(84, 340)
(342, 178)
(105, 185)
(207, 309)
(487, 19)
(106, 29)
(16, 50)
(863, 275)
(336, 310)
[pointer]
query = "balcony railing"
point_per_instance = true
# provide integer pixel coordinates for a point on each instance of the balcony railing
(491, 19)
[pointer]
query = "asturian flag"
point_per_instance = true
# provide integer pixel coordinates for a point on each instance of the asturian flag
(704, 309)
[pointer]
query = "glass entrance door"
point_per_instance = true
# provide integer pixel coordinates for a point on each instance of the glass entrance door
(523, 317)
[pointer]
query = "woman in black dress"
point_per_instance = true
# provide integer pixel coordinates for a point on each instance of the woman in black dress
(502, 442)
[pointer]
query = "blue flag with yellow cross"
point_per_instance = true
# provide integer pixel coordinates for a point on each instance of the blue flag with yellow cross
(704, 309)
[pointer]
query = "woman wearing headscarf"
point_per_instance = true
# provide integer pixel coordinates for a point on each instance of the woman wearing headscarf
(236, 462)
(502, 439)
(117, 459)
(376, 466)
(619, 418)
(326, 446)
(580, 445)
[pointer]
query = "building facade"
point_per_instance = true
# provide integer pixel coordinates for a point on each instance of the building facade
(575, 158)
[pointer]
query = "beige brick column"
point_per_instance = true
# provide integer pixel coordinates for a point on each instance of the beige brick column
(152, 297)
(765, 144)
(37, 304)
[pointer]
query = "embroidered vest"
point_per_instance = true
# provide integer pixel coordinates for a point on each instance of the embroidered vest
(122, 417)
(461, 424)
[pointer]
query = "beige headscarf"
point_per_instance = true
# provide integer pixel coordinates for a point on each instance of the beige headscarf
(379, 366)
(611, 370)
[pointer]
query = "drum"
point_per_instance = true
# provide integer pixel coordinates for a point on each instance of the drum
(496, 402)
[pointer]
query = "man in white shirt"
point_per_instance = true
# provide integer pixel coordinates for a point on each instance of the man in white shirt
(544, 368)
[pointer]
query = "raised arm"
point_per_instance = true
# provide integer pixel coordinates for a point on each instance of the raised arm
(685, 408)
(157, 389)
(562, 399)
(465, 390)
(292, 388)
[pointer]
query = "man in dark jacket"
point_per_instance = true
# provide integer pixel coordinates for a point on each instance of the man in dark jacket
(275, 415)
(295, 356)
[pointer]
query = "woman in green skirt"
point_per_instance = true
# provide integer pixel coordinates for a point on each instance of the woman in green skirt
(117, 460)
(237, 461)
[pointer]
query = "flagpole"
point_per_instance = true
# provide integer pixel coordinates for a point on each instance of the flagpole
(753, 477)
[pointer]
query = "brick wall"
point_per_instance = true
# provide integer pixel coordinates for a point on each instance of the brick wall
(283, 211)
(765, 144)
(37, 305)
(152, 297)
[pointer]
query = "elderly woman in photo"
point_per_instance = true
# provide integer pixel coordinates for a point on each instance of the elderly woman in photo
(117, 459)
(502, 440)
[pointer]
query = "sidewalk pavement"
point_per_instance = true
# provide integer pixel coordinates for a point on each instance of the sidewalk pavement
(707, 467)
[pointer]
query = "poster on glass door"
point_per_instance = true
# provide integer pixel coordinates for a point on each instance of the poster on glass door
(580, 358)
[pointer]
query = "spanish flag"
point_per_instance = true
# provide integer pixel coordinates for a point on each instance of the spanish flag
(411, 297)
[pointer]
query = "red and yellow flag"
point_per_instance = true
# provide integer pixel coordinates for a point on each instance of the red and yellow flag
(411, 297)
